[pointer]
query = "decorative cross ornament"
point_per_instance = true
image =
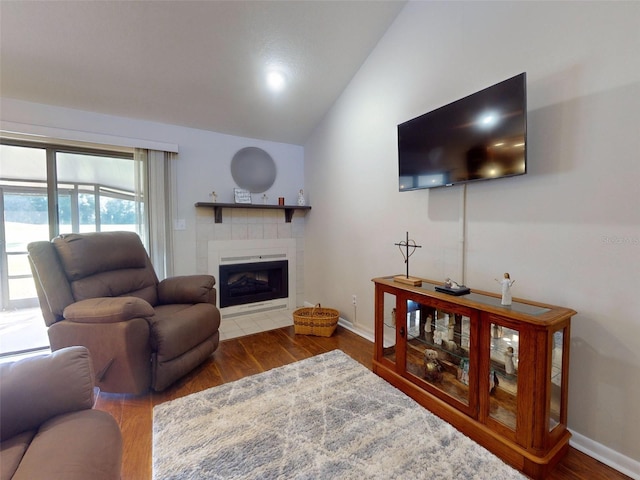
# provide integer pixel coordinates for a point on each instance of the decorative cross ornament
(407, 245)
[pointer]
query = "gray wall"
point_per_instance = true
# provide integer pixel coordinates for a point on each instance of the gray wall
(568, 232)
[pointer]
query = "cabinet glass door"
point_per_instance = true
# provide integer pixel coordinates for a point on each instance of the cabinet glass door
(438, 344)
(503, 375)
(557, 355)
(389, 327)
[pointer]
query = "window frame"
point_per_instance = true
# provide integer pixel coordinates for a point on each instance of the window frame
(50, 187)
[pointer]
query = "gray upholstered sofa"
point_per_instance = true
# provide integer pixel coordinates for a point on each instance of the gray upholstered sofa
(101, 291)
(48, 428)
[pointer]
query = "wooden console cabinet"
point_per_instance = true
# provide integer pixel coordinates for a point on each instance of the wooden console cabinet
(499, 374)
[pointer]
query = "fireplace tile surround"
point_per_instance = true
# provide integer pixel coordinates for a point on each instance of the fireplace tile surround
(257, 229)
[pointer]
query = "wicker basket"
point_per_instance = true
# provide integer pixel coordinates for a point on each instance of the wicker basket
(318, 321)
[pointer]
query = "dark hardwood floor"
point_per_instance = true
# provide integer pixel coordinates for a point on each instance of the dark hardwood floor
(240, 357)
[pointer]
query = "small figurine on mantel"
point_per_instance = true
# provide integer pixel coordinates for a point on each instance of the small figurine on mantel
(301, 201)
(506, 283)
(214, 197)
(265, 199)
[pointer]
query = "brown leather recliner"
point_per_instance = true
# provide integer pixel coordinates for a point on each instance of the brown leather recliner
(48, 427)
(101, 291)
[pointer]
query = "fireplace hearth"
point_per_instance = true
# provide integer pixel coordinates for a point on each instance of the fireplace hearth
(245, 283)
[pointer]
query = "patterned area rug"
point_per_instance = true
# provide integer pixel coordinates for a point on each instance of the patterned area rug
(326, 417)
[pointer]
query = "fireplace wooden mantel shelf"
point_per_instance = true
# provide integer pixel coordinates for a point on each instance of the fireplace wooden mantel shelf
(217, 208)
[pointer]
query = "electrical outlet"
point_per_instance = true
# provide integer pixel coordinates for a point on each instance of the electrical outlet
(354, 300)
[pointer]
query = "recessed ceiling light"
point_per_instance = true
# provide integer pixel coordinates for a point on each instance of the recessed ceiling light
(276, 80)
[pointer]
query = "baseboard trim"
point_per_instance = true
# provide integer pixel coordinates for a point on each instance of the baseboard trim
(606, 455)
(343, 322)
(351, 327)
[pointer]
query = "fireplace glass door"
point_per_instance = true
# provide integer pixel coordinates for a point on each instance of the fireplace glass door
(245, 283)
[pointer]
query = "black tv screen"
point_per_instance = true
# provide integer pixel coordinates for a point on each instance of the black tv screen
(479, 137)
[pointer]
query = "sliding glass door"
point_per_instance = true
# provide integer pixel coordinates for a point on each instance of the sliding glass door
(97, 193)
(25, 206)
(45, 191)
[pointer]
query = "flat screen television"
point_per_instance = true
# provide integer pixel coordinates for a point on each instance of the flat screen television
(479, 137)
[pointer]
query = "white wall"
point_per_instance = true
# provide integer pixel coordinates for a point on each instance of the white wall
(568, 232)
(203, 163)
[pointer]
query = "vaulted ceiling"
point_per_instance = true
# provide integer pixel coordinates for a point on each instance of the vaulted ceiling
(200, 64)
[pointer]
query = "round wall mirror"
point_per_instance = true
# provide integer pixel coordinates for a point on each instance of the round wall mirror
(253, 169)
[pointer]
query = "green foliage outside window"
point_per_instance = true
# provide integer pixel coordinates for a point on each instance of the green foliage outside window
(32, 209)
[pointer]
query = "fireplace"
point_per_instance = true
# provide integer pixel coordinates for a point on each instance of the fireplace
(244, 283)
(232, 257)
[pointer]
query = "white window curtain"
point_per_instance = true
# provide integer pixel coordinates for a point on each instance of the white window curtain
(153, 188)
